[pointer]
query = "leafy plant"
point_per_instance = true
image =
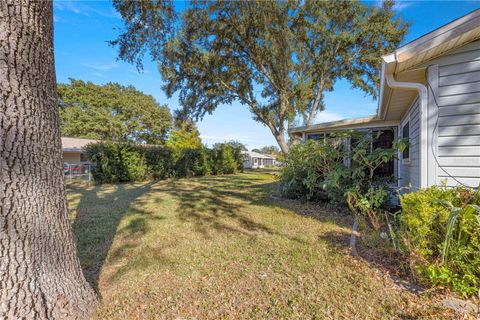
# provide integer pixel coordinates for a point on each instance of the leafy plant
(368, 204)
(191, 162)
(342, 172)
(441, 235)
(306, 167)
(112, 162)
(123, 162)
(468, 212)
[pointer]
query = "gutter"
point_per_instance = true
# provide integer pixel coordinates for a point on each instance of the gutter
(388, 70)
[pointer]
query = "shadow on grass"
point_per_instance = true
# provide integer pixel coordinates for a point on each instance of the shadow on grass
(218, 204)
(370, 247)
(99, 212)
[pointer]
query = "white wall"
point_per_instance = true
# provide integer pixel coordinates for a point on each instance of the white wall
(409, 170)
(454, 125)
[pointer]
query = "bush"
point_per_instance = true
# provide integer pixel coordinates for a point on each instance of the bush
(113, 162)
(160, 162)
(441, 234)
(192, 162)
(224, 160)
(120, 162)
(305, 169)
(317, 170)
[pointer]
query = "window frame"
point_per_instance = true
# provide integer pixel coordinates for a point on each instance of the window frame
(321, 136)
(407, 149)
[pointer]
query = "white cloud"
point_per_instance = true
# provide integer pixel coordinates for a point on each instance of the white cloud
(398, 6)
(68, 6)
(327, 116)
(101, 67)
(82, 8)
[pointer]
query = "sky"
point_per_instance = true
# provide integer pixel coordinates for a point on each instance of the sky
(83, 29)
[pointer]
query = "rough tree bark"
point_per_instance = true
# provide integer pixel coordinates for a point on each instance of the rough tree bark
(280, 137)
(40, 274)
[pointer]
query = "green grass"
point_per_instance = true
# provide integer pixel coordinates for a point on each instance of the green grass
(220, 247)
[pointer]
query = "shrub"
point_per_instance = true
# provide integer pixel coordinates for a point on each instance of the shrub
(119, 162)
(441, 234)
(160, 162)
(183, 156)
(306, 167)
(317, 170)
(191, 162)
(113, 162)
(224, 160)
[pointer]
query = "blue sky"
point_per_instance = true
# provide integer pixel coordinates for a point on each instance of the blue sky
(82, 29)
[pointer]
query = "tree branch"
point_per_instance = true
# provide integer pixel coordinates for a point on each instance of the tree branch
(316, 103)
(252, 104)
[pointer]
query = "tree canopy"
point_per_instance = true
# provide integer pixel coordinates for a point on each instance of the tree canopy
(112, 112)
(185, 136)
(278, 58)
(233, 143)
(272, 150)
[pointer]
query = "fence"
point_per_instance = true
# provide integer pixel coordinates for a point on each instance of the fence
(77, 172)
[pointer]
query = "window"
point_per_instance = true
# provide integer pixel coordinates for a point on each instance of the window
(316, 136)
(384, 140)
(406, 135)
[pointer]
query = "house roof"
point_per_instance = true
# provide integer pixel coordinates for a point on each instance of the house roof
(370, 121)
(435, 43)
(409, 64)
(75, 144)
(253, 154)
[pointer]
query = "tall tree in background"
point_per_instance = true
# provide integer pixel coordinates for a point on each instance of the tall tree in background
(40, 275)
(112, 112)
(272, 150)
(278, 58)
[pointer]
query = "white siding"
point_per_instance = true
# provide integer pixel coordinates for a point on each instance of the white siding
(457, 133)
(409, 170)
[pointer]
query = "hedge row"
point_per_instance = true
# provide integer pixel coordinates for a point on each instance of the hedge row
(121, 162)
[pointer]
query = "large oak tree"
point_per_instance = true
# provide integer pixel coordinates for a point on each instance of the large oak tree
(278, 58)
(112, 112)
(40, 274)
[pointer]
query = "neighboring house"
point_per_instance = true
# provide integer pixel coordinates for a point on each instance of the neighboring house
(257, 160)
(74, 150)
(430, 94)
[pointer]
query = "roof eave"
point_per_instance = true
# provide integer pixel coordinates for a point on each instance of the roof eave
(392, 63)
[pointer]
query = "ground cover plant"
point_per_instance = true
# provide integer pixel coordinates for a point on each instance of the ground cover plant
(441, 232)
(220, 247)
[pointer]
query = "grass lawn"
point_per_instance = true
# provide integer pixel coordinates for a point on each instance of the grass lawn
(220, 247)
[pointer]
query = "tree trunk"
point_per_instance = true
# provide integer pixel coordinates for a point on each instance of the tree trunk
(280, 137)
(40, 274)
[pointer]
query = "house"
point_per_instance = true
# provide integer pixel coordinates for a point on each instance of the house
(257, 160)
(429, 94)
(74, 150)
